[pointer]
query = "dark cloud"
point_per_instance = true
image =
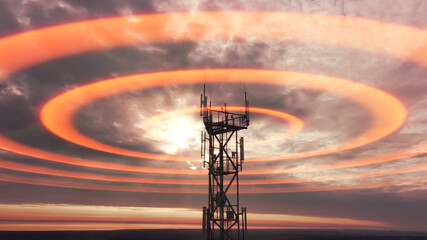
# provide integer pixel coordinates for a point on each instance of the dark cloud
(362, 204)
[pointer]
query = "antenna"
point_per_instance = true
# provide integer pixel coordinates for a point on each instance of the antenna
(242, 153)
(204, 103)
(246, 106)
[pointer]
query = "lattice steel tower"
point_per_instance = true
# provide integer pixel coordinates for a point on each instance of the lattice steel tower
(223, 218)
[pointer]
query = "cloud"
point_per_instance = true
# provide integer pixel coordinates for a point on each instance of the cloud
(120, 120)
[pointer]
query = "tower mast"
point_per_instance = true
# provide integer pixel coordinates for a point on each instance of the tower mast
(225, 158)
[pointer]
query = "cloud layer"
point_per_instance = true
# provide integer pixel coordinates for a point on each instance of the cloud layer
(362, 192)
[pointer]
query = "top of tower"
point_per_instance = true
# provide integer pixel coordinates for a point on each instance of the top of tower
(219, 120)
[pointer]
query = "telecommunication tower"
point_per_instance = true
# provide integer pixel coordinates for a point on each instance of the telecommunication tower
(223, 218)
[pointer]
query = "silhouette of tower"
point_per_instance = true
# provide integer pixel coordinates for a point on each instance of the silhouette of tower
(223, 218)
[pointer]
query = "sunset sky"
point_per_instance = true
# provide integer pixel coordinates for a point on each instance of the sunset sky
(100, 126)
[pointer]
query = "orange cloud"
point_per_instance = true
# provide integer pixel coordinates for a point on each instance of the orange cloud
(82, 217)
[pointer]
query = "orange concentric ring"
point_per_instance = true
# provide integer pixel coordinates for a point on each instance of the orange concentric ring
(110, 178)
(41, 45)
(96, 186)
(346, 32)
(387, 112)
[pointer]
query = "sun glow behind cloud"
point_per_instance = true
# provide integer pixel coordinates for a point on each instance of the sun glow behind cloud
(174, 134)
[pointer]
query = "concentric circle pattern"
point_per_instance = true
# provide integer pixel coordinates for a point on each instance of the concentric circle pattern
(388, 113)
(59, 120)
(371, 154)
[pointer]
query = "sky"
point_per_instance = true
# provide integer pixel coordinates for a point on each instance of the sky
(100, 126)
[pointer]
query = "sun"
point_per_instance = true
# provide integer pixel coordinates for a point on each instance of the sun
(174, 134)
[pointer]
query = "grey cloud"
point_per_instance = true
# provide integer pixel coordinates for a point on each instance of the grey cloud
(329, 119)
